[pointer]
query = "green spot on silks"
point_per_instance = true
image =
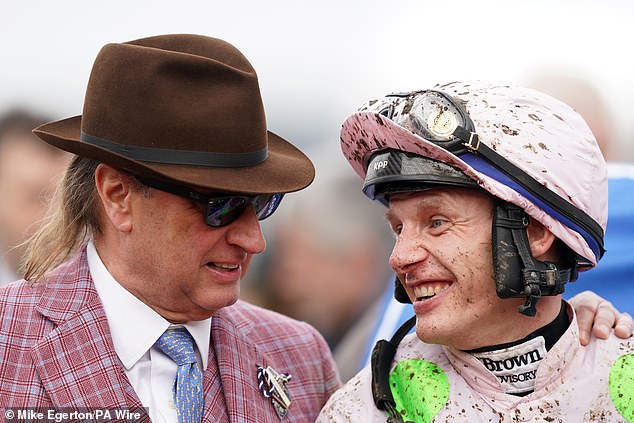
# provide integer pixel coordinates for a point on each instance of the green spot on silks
(621, 385)
(420, 389)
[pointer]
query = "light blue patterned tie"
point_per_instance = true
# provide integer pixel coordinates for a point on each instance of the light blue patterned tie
(178, 345)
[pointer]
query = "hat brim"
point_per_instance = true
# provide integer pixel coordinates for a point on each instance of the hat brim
(286, 168)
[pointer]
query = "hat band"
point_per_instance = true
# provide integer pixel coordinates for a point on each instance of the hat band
(179, 157)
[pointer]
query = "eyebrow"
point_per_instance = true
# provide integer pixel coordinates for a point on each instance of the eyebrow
(427, 202)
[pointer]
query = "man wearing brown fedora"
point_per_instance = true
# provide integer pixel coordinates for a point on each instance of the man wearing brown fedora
(130, 298)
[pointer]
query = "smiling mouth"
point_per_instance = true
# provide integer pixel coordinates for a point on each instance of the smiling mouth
(223, 266)
(427, 291)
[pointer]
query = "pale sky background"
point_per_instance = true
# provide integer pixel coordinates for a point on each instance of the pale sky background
(319, 61)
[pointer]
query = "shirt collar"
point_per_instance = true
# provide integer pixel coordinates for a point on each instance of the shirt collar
(132, 341)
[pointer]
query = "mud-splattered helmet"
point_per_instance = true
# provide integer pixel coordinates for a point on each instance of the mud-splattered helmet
(532, 152)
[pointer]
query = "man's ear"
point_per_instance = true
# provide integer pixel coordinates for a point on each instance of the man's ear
(541, 240)
(115, 189)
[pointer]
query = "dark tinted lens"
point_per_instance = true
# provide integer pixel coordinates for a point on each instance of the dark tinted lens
(265, 205)
(221, 211)
(224, 210)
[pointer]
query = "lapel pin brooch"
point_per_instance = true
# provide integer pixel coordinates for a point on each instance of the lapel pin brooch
(273, 385)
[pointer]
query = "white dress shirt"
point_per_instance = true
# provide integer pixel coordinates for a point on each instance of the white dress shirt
(135, 328)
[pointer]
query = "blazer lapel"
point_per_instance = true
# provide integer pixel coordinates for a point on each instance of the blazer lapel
(237, 359)
(215, 406)
(76, 361)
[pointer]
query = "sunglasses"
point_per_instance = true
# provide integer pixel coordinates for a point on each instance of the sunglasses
(220, 210)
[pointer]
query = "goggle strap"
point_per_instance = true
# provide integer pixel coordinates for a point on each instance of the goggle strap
(471, 140)
(531, 185)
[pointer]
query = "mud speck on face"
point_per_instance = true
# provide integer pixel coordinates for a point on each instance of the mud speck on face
(543, 146)
(534, 117)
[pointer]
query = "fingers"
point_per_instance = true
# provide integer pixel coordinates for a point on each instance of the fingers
(585, 319)
(605, 319)
(624, 326)
(598, 316)
(586, 305)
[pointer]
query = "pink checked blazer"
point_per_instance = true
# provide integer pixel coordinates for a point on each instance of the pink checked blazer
(56, 352)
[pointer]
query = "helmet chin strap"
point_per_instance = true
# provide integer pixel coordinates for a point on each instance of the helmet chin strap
(517, 272)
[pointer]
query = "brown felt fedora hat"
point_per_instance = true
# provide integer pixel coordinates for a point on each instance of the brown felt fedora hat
(183, 108)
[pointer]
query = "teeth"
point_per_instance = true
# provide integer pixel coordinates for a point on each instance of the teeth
(226, 266)
(429, 290)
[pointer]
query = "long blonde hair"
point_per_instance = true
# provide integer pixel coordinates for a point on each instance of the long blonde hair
(73, 218)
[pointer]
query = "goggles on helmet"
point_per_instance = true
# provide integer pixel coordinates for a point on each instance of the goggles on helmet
(432, 115)
(442, 120)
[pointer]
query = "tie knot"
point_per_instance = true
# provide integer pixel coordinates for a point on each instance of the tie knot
(178, 345)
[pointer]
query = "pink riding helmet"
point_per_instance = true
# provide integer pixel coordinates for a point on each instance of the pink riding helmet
(539, 135)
